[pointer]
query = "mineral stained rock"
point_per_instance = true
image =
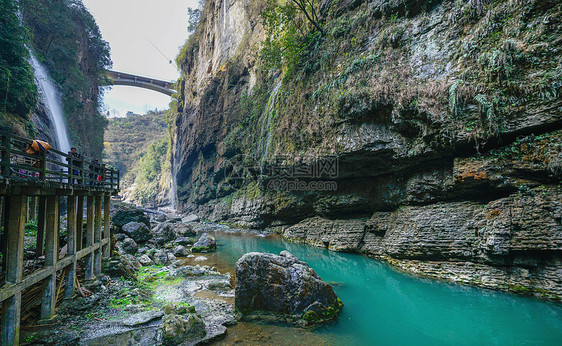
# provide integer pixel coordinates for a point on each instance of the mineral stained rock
(283, 288)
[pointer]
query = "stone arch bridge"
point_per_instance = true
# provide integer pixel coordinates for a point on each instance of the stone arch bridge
(120, 78)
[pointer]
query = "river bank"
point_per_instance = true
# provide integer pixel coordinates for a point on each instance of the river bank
(382, 305)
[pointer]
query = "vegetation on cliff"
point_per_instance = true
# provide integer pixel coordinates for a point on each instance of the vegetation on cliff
(431, 77)
(139, 146)
(18, 90)
(429, 106)
(18, 93)
(67, 40)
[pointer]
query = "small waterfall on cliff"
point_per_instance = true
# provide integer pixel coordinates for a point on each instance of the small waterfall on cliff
(269, 113)
(51, 99)
(173, 192)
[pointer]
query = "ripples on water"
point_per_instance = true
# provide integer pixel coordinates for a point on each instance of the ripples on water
(386, 307)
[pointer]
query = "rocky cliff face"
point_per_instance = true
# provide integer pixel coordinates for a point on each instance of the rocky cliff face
(423, 133)
(66, 39)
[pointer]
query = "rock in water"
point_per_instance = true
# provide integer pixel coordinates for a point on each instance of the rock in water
(206, 243)
(283, 287)
(180, 251)
(137, 231)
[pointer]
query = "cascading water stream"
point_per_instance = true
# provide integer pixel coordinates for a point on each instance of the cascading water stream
(268, 113)
(51, 99)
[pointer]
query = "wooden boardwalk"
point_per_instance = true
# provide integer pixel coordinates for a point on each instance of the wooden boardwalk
(33, 190)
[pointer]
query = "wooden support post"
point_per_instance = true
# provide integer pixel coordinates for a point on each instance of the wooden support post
(106, 224)
(6, 144)
(90, 236)
(71, 244)
(41, 217)
(51, 257)
(32, 208)
(70, 168)
(79, 223)
(14, 245)
(97, 235)
(15, 207)
(43, 165)
(10, 317)
(111, 179)
(27, 209)
(4, 231)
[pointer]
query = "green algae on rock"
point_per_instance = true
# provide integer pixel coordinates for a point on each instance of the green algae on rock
(283, 288)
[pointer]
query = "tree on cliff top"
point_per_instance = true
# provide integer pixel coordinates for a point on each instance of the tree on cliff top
(290, 26)
(18, 93)
(308, 8)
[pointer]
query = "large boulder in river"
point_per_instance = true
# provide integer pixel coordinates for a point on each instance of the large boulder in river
(206, 243)
(180, 251)
(283, 287)
(125, 214)
(137, 231)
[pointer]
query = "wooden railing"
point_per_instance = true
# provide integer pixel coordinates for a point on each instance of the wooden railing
(51, 166)
(36, 187)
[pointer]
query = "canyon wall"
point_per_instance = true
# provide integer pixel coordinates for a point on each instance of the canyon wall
(424, 133)
(67, 40)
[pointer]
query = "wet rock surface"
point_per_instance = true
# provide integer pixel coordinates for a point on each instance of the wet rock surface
(141, 318)
(282, 286)
(505, 244)
(206, 243)
(129, 306)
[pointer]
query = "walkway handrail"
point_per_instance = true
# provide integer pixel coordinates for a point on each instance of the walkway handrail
(51, 166)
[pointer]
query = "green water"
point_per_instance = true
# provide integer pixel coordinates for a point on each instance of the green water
(386, 307)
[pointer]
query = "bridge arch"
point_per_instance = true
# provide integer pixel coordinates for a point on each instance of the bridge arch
(120, 78)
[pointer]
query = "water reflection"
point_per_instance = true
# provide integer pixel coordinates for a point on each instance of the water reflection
(383, 306)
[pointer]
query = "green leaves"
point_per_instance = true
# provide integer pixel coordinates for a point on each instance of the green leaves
(18, 93)
(193, 20)
(66, 38)
(288, 31)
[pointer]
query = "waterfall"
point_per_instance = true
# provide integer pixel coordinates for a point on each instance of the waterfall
(268, 112)
(52, 101)
(174, 188)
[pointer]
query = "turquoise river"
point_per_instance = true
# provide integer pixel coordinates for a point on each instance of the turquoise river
(387, 307)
